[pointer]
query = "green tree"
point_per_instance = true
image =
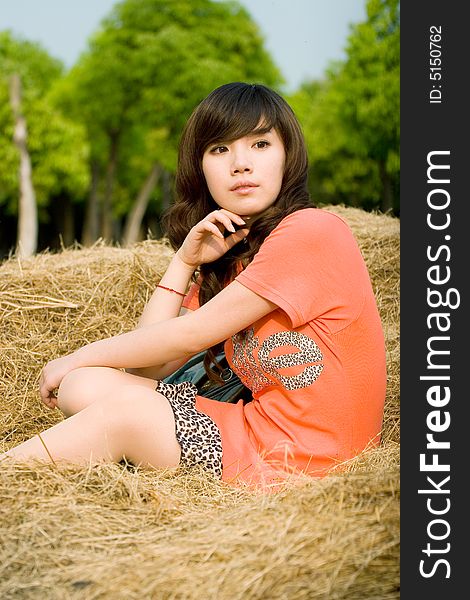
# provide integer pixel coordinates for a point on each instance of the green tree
(351, 119)
(57, 146)
(146, 68)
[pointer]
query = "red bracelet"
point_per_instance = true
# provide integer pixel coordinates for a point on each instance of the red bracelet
(171, 290)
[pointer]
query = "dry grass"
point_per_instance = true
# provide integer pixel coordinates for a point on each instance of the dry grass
(107, 532)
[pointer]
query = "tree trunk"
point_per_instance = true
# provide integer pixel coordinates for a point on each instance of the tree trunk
(27, 239)
(134, 219)
(67, 228)
(166, 201)
(62, 234)
(90, 230)
(107, 213)
(166, 189)
(386, 204)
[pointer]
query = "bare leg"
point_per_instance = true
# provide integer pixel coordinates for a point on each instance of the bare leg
(134, 422)
(82, 387)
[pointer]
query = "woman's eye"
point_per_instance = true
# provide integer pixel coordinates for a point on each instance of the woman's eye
(219, 149)
(262, 144)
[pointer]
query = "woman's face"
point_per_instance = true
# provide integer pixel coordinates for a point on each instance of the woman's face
(245, 175)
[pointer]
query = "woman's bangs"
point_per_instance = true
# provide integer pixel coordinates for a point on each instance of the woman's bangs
(250, 114)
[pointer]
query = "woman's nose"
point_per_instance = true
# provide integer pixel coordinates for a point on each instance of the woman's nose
(241, 164)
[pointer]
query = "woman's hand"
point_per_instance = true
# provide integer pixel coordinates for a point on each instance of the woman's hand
(206, 242)
(51, 378)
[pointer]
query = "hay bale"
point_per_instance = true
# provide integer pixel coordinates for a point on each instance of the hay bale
(107, 532)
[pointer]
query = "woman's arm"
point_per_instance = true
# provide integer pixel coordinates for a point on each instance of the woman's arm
(164, 305)
(162, 341)
(204, 243)
(233, 309)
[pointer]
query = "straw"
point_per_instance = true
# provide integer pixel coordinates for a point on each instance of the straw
(107, 531)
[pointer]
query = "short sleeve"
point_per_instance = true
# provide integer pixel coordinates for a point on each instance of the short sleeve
(310, 266)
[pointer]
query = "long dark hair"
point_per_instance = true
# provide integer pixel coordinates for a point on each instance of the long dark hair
(230, 112)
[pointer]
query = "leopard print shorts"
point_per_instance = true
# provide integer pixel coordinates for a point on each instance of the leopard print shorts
(196, 433)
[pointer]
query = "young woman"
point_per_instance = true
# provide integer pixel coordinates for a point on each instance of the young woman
(283, 284)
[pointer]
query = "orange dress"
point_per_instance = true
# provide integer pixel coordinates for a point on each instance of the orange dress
(315, 365)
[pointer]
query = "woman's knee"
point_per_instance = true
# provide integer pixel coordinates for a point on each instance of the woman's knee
(84, 386)
(80, 388)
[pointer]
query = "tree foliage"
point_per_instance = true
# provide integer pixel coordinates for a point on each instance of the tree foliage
(351, 119)
(146, 68)
(103, 137)
(57, 146)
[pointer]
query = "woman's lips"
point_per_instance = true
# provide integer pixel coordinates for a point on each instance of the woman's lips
(244, 189)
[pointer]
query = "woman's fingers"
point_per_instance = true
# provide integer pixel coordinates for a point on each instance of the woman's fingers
(45, 393)
(42, 388)
(226, 218)
(48, 385)
(206, 241)
(233, 216)
(50, 402)
(49, 397)
(212, 228)
(219, 217)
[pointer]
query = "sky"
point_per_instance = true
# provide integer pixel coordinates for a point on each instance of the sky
(303, 36)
